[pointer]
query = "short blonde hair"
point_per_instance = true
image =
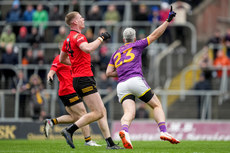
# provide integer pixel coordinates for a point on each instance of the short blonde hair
(69, 17)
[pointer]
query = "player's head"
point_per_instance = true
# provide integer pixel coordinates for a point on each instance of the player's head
(75, 19)
(129, 35)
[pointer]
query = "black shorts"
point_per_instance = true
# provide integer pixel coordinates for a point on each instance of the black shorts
(70, 100)
(84, 85)
(147, 96)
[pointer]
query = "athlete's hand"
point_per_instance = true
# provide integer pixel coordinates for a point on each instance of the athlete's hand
(50, 81)
(172, 14)
(105, 36)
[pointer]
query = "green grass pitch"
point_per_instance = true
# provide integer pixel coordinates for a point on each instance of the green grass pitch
(60, 146)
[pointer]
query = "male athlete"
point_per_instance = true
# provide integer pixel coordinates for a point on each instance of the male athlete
(76, 52)
(73, 104)
(127, 65)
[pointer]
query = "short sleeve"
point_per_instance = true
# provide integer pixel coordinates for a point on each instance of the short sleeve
(64, 49)
(81, 39)
(143, 43)
(111, 62)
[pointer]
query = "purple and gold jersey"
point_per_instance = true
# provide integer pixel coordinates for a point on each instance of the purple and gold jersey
(127, 59)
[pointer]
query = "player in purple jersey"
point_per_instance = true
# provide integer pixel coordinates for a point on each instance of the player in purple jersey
(127, 65)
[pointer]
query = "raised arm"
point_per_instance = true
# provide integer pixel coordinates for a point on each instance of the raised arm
(160, 30)
(90, 47)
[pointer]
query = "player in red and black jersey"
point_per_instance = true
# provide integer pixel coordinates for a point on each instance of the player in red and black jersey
(76, 52)
(73, 104)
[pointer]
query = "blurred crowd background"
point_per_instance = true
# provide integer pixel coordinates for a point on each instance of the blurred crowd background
(193, 54)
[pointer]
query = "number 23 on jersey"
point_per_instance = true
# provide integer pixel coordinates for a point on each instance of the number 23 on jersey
(119, 62)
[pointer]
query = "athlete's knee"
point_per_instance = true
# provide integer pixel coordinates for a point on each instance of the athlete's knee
(101, 115)
(77, 115)
(81, 112)
(97, 114)
(104, 111)
(74, 117)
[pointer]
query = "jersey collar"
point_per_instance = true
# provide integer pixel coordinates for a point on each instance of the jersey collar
(128, 43)
(75, 31)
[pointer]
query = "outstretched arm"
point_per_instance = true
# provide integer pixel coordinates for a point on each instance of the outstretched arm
(90, 47)
(160, 30)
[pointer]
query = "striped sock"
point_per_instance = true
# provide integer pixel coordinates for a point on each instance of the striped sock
(125, 127)
(162, 127)
(54, 121)
(87, 139)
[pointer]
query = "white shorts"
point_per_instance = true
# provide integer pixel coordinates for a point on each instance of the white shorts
(134, 87)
